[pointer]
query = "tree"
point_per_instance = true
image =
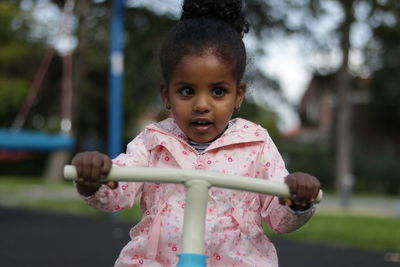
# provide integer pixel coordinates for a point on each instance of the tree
(144, 32)
(382, 53)
(380, 18)
(17, 50)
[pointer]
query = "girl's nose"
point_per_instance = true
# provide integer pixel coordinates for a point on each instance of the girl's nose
(201, 104)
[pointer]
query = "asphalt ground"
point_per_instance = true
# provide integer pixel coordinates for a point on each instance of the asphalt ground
(30, 238)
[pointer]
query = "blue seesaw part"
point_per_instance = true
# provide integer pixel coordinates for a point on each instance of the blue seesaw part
(192, 260)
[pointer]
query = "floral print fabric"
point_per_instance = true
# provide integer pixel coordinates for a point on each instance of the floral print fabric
(234, 236)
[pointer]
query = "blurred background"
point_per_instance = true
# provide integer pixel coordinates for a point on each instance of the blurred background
(323, 78)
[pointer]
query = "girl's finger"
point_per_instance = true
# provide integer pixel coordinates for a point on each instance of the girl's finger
(112, 184)
(105, 168)
(97, 163)
(301, 188)
(309, 189)
(77, 162)
(317, 187)
(86, 166)
(291, 181)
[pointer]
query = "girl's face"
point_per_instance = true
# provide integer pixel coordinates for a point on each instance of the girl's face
(202, 94)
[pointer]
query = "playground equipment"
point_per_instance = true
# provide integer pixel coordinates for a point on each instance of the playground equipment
(197, 184)
(34, 140)
(18, 139)
(116, 79)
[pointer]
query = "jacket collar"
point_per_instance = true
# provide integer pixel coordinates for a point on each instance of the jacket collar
(167, 132)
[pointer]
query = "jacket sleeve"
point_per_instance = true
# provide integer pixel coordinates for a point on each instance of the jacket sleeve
(281, 219)
(123, 196)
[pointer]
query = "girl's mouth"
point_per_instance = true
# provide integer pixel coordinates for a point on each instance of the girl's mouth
(201, 126)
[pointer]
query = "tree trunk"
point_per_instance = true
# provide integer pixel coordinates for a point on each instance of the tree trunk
(344, 179)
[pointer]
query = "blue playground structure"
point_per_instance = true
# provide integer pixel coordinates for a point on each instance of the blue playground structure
(35, 141)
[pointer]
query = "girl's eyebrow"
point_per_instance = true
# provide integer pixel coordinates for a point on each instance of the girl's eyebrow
(220, 83)
(182, 83)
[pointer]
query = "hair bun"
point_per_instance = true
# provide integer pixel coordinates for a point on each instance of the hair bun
(229, 11)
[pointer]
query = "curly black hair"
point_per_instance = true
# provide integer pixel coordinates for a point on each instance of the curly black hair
(207, 26)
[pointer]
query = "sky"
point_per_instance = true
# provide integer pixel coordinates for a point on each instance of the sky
(285, 64)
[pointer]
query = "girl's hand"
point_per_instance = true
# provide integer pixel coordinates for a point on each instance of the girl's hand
(304, 189)
(91, 167)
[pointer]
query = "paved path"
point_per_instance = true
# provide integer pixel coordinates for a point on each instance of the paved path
(33, 239)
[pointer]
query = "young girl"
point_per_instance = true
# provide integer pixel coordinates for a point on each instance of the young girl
(203, 59)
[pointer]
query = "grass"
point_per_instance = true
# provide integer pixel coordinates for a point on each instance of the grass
(60, 206)
(18, 181)
(367, 232)
(60, 197)
(372, 233)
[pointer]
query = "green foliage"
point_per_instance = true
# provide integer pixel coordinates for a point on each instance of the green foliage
(374, 171)
(385, 82)
(7, 12)
(18, 58)
(257, 114)
(12, 92)
(314, 158)
(142, 65)
(377, 172)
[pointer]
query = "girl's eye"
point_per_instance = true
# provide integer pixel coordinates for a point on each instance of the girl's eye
(218, 91)
(186, 91)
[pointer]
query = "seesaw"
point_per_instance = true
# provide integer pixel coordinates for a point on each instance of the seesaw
(197, 184)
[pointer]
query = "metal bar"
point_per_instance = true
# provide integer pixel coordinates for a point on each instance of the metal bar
(116, 80)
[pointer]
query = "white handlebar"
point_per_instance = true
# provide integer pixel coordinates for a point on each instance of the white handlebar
(197, 183)
(183, 176)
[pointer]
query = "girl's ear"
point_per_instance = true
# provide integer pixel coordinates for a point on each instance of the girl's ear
(241, 92)
(164, 95)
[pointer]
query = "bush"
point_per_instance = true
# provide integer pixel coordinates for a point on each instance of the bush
(377, 172)
(374, 172)
(313, 158)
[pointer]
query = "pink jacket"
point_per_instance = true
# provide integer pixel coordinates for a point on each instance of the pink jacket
(234, 236)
